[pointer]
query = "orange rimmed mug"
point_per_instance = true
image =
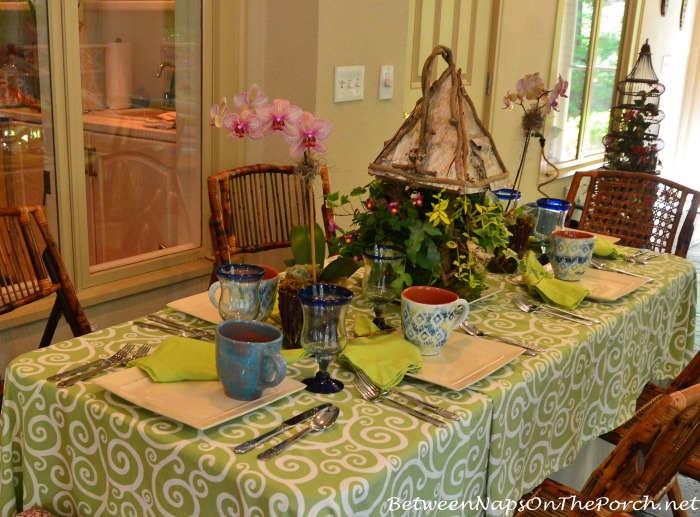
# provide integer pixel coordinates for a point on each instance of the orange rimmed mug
(571, 253)
(428, 316)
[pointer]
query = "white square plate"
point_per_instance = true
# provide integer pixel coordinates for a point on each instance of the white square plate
(200, 404)
(608, 286)
(199, 306)
(465, 360)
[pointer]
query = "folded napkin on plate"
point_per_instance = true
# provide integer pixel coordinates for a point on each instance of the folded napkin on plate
(552, 290)
(604, 248)
(385, 358)
(180, 359)
(186, 359)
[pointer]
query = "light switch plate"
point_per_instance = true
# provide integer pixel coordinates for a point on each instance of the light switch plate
(349, 83)
(386, 82)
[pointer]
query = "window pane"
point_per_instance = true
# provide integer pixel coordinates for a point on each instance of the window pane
(140, 124)
(26, 154)
(575, 134)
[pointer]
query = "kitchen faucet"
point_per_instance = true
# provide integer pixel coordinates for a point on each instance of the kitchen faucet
(169, 93)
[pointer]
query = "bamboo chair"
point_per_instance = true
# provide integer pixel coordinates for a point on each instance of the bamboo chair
(644, 464)
(32, 269)
(643, 210)
(650, 395)
(253, 209)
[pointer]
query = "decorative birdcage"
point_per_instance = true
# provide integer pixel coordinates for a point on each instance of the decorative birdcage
(633, 143)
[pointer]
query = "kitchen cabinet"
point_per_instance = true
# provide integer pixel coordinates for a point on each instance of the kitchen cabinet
(21, 163)
(135, 198)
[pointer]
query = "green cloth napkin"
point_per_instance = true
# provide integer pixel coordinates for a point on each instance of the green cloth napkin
(186, 359)
(385, 358)
(180, 359)
(552, 290)
(605, 248)
(363, 325)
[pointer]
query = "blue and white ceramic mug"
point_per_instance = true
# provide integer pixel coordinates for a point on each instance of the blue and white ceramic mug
(248, 358)
(571, 254)
(428, 316)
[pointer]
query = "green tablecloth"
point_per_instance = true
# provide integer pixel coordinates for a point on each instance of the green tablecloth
(84, 451)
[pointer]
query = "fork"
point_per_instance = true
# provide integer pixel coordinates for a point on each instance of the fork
(124, 360)
(560, 311)
(430, 407)
(635, 257)
(473, 330)
(114, 358)
(370, 393)
(525, 306)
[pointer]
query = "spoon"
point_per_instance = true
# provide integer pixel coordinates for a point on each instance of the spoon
(322, 421)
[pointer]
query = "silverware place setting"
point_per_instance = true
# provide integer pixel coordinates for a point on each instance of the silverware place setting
(526, 306)
(320, 422)
(283, 427)
(114, 358)
(599, 264)
(472, 330)
(176, 329)
(121, 358)
(370, 392)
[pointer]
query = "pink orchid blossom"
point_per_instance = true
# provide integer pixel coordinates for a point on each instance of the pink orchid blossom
(218, 112)
(250, 100)
(279, 116)
(240, 125)
(559, 90)
(333, 226)
(530, 87)
(310, 135)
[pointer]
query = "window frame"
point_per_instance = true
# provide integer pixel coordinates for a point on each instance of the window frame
(629, 42)
(70, 164)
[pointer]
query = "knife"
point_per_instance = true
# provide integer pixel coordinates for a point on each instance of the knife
(180, 326)
(194, 334)
(284, 426)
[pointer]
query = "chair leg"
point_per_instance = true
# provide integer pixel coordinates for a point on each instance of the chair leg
(51, 324)
(675, 496)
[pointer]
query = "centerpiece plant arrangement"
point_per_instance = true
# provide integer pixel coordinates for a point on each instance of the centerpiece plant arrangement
(254, 118)
(449, 238)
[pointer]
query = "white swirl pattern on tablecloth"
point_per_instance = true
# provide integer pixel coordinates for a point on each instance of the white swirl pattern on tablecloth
(83, 451)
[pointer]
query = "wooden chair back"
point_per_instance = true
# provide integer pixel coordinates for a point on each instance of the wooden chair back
(31, 268)
(644, 210)
(648, 458)
(253, 208)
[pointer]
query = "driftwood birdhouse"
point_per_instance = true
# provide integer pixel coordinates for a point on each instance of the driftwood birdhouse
(443, 144)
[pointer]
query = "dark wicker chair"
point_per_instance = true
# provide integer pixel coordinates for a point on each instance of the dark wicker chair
(643, 210)
(253, 209)
(644, 464)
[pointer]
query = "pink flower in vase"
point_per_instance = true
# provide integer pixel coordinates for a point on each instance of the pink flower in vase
(218, 112)
(240, 125)
(250, 100)
(310, 135)
(280, 116)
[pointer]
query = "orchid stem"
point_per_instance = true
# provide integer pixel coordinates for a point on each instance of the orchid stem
(312, 228)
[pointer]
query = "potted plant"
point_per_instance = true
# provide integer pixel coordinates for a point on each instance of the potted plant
(449, 238)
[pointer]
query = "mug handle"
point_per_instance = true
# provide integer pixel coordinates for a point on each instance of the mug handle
(465, 312)
(212, 293)
(280, 369)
